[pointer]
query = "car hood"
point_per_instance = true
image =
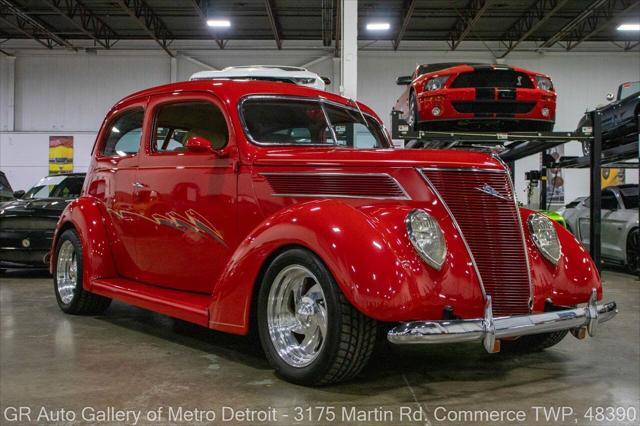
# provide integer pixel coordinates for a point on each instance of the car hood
(345, 157)
(37, 207)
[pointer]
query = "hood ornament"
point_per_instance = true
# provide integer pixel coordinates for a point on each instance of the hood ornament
(488, 189)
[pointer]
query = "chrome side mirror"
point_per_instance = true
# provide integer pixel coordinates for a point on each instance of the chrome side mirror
(610, 97)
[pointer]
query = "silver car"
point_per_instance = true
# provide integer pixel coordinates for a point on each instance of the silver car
(620, 240)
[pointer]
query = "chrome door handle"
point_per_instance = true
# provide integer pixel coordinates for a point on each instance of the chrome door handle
(139, 185)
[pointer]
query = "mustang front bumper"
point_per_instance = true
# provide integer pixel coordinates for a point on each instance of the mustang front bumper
(489, 330)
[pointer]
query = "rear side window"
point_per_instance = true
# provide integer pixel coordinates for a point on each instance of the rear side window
(177, 123)
(123, 137)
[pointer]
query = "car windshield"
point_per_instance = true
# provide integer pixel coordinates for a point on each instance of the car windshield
(6, 193)
(628, 89)
(427, 68)
(311, 123)
(63, 186)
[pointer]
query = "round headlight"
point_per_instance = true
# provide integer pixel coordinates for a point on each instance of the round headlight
(544, 236)
(427, 238)
(436, 83)
(544, 83)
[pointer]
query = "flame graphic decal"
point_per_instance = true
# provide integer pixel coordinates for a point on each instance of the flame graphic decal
(191, 220)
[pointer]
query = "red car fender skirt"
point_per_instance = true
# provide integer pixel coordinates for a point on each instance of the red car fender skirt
(568, 283)
(86, 217)
(370, 256)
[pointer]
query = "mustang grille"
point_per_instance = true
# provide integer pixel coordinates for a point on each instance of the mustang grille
(28, 223)
(493, 78)
(347, 185)
(497, 107)
(483, 205)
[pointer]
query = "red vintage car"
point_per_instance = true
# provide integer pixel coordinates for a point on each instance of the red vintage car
(467, 96)
(263, 206)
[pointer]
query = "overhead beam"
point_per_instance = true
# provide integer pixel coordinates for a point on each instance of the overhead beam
(566, 29)
(198, 8)
(468, 18)
(149, 21)
(19, 20)
(599, 20)
(77, 14)
(273, 22)
(529, 23)
(630, 45)
(405, 23)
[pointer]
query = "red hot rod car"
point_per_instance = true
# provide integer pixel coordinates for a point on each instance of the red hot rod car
(239, 205)
(453, 96)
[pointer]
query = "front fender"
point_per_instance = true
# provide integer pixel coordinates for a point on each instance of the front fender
(570, 281)
(367, 251)
(85, 216)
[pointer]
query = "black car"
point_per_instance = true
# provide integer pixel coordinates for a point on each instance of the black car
(6, 193)
(619, 118)
(27, 223)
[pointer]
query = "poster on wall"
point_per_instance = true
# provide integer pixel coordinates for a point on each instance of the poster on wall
(555, 180)
(612, 177)
(60, 154)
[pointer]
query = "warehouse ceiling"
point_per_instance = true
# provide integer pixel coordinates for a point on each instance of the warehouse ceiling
(549, 23)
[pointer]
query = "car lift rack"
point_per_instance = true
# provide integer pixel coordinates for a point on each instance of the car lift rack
(512, 146)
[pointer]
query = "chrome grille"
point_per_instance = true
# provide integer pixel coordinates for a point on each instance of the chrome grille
(348, 185)
(483, 205)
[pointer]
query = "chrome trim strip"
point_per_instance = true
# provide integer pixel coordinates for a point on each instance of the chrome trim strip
(458, 169)
(406, 195)
(319, 100)
(489, 329)
(457, 226)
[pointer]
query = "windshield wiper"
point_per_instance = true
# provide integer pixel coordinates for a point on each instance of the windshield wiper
(366, 123)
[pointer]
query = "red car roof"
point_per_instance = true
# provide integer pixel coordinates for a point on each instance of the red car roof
(233, 90)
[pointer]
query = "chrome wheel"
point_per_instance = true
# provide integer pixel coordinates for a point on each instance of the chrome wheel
(66, 272)
(297, 316)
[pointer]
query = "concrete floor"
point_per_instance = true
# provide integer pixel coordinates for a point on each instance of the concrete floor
(135, 360)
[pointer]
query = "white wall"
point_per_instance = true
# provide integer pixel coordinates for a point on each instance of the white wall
(60, 93)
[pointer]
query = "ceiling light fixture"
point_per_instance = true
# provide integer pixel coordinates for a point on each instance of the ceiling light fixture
(629, 27)
(219, 23)
(378, 26)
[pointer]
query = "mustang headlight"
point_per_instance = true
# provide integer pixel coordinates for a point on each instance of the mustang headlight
(427, 238)
(435, 83)
(544, 83)
(544, 236)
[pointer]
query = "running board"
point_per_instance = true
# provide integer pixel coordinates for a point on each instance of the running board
(184, 305)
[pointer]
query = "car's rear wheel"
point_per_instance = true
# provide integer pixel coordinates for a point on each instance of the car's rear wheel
(633, 251)
(67, 279)
(310, 333)
(533, 343)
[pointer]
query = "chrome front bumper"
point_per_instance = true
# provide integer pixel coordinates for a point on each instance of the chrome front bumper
(489, 330)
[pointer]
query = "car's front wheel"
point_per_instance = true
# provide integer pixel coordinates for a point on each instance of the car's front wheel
(412, 118)
(310, 333)
(67, 279)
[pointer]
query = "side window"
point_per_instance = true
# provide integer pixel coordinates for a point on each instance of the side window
(177, 123)
(124, 135)
(609, 201)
